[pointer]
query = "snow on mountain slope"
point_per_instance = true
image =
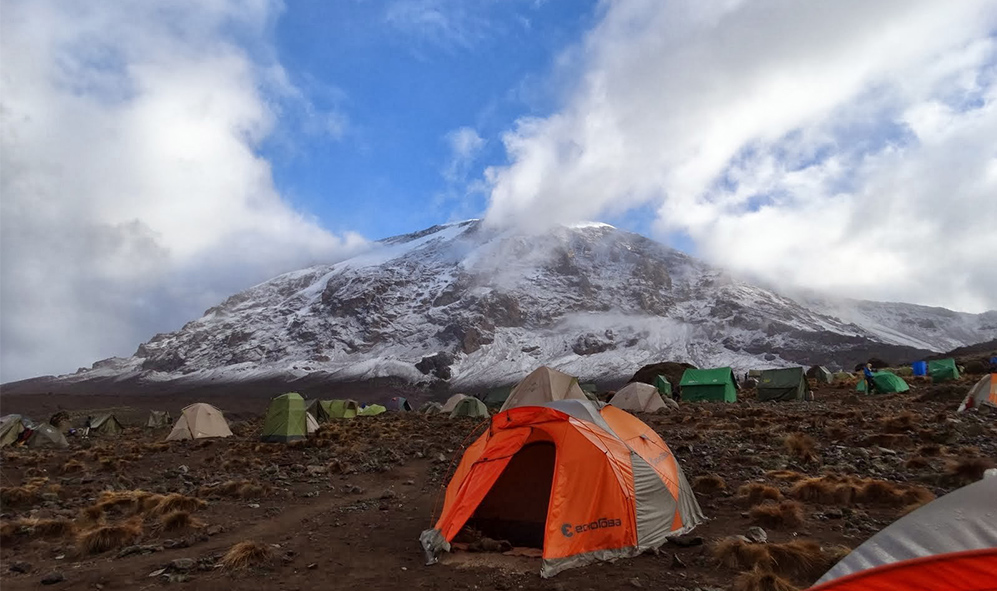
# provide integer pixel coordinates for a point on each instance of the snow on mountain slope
(476, 306)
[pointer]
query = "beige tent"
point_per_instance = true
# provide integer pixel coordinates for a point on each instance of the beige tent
(11, 428)
(984, 393)
(639, 397)
(45, 435)
(106, 424)
(199, 421)
(452, 403)
(542, 386)
(159, 418)
(310, 423)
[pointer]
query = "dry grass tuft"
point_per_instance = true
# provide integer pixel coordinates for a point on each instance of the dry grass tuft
(124, 502)
(176, 502)
(72, 466)
(735, 553)
(248, 554)
(799, 558)
(917, 463)
(178, 521)
(785, 475)
(802, 446)
(967, 470)
(931, 450)
(243, 489)
(26, 529)
(777, 515)
(756, 492)
(709, 485)
(109, 537)
(898, 423)
(759, 579)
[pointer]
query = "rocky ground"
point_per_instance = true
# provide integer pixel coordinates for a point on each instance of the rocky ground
(345, 508)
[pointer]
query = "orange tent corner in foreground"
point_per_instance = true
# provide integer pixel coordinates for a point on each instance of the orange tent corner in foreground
(949, 544)
(586, 483)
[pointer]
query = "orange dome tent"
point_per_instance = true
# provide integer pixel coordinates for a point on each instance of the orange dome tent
(584, 483)
(949, 544)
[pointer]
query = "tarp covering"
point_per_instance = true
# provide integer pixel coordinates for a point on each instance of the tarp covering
(158, 419)
(949, 544)
(983, 393)
(199, 421)
(286, 420)
(544, 385)
(371, 410)
(639, 397)
(942, 370)
(886, 383)
(821, 374)
(787, 384)
(663, 385)
(585, 483)
(45, 435)
(11, 428)
(716, 384)
(343, 409)
(469, 406)
(106, 424)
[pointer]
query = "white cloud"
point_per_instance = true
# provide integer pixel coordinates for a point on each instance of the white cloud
(133, 196)
(465, 145)
(843, 146)
(443, 23)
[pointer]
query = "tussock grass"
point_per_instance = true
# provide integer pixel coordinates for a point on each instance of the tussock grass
(108, 537)
(72, 466)
(709, 485)
(248, 554)
(964, 471)
(756, 492)
(242, 489)
(760, 579)
(176, 502)
(846, 490)
(785, 475)
(176, 521)
(801, 446)
(12, 532)
(780, 515)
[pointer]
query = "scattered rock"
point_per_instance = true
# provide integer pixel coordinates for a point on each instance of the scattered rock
(409, 483)
(312, 566)
(182, 564)
(354, 490)
(20, 567)
(388, 494)
(53, 578)
(214, 530)
(757, 535)
(635, 582)
(316, 470)
(677, 562)
(156, 573)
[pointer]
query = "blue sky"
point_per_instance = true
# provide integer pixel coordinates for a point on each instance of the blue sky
(402, 83)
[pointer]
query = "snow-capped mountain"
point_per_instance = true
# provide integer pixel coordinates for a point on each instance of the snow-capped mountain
(476, 306)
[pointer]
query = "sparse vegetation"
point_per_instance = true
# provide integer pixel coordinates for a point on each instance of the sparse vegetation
(756, 492)
(709, 485)
(109, 537)
(802, 446)
(248, 554)
(779, 515)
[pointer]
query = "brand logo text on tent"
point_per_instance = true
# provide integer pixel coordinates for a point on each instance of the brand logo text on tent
(568, 530)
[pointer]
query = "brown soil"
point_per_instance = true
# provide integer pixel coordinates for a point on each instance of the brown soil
(345, 508)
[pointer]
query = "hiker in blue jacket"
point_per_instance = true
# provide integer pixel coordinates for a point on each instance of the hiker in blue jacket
(870, 385)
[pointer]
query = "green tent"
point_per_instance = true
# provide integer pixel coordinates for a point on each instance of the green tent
(470, 407)
(319, 409)
(371, 411)
(709, 384)
(341, 409)
(886, 382)
(496, 397)
(820, 373)
(106, 424)
(782, 384)
(286, 419)
(942, 370)
(431, 408)
(663, 385)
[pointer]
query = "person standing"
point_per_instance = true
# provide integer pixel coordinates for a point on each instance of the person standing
(870, 384)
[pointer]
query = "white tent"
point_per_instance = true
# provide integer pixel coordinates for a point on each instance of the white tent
(311, 423)
(452, 403)
(984, 393)
(640, 397)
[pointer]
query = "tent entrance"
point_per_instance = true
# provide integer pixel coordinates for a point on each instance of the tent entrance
(515, 509)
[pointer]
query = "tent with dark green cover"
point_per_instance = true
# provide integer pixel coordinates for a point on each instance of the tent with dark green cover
(942, 370)
(342, 409)
(663, 385)
(820, 373)
(886, 383)
(320, 409)
(783, 385)
(106, 424)
(371, 410)
(716, 385)
(469, 406)
(286, 419)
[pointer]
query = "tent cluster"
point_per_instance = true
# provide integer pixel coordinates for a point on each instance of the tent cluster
(19, 430)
